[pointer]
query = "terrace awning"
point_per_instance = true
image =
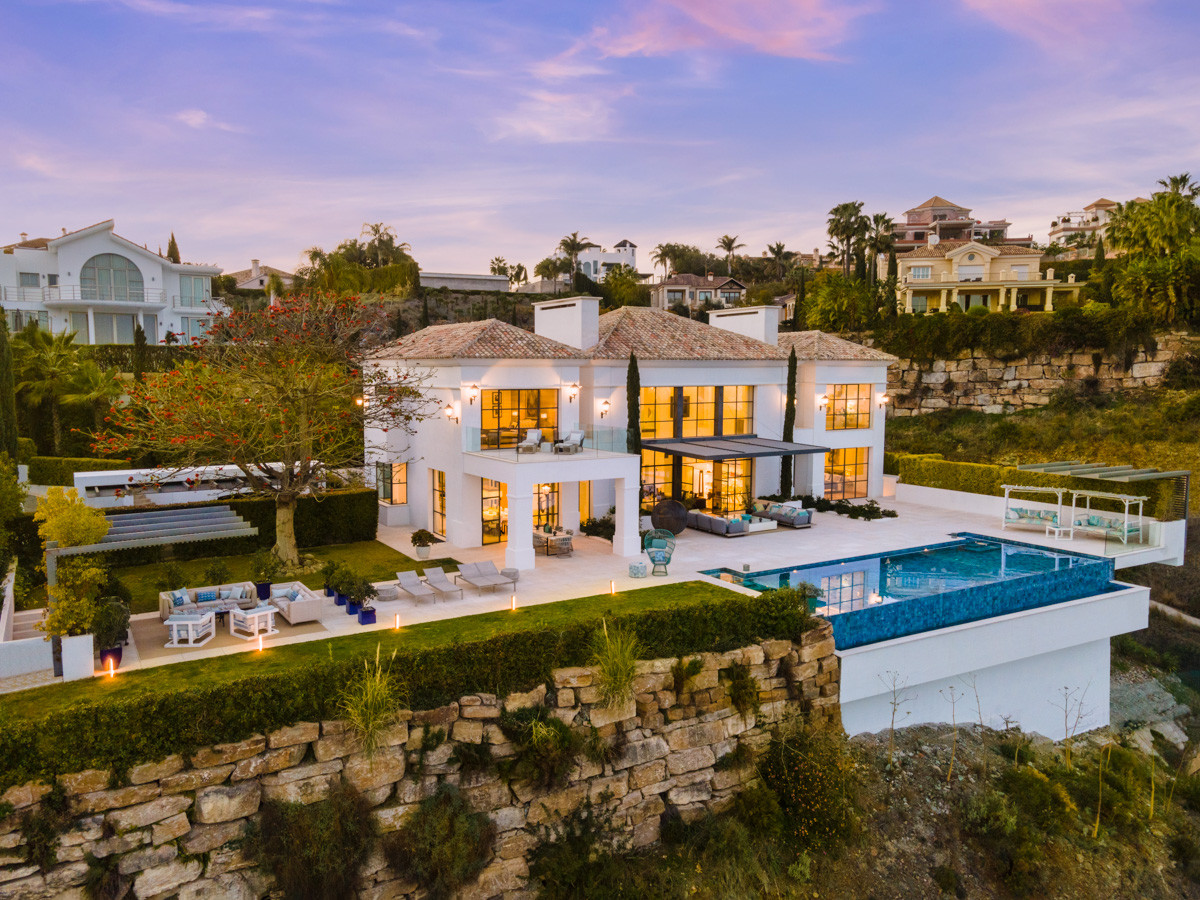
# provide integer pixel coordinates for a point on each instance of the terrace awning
(1101, 473)
(716, 449)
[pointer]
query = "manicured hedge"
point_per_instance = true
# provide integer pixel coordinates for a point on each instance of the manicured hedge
(120, 733)
(60, 470)
(983, 478)
(891, 460)
(26, 449)
(159, 357)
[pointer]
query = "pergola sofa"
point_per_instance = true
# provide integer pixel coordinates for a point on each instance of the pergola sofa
(203, 599)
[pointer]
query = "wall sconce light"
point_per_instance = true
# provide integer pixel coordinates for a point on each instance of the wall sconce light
(604, 408)
(572, 393)
(472, 393)
(883, 400)
(449, 411)
(822, 401)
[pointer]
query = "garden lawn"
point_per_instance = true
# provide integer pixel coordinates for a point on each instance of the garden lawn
(372, 559)
(45, 701)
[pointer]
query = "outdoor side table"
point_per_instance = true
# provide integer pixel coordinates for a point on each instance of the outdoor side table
(514, 574)
(637, 570)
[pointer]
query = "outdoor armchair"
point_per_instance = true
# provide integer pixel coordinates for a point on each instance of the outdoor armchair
(532, 442)
(572, 444)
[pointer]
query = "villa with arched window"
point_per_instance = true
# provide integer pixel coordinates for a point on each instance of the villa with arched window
(101, 286)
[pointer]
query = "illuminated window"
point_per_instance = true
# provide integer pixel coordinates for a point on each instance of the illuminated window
(507, 416)
(738, 412)
(845, 591)
(585, 500)
(846, 473)
(849, 406)
(698, 413)
(494, 511)
(545, 509)
(391, 482)
(658, 412)
(657, 481)
(439, 502)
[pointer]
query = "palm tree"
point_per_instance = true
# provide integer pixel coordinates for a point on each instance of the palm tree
(728, 243)
(499, 265)
(518, 275)
(879, 241)
(95, 387)
(780, 255)
(46, 367)
(661, 257)
(383, 240)
(571, 246)
(1181, 185)
(848, 227)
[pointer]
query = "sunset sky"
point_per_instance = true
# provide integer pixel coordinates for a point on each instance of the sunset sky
(479, 129)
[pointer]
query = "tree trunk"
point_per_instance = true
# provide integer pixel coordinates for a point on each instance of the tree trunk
(56, 420)
(285, 530)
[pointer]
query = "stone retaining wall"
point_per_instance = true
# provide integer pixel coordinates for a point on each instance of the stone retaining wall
(177, 824)
(986, 384)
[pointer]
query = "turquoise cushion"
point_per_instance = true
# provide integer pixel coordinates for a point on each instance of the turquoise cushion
(658, 544)
(1093, 521)
(658, 556)
(203, 596)
(179, 597)
(293, 595)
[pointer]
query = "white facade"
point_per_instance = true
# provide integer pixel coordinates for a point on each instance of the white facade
(100, 285)
(595, 262)
(450, 449)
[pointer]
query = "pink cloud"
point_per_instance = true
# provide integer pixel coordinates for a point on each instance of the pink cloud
(801, 29)
(1057, 24)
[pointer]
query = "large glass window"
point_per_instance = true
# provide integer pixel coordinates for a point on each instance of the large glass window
(846, 473)
(733, 486)
(731, 296)
(844, 592)
(438, 506)
(698, 414)
(658, 412)
(194, 290)
(109, 276)
(113, 328)
(79, 325)
(508, 415)
(29, 279)
(848, 406)
(656, 478)
(194, 329)
(545, 505)
(738, 412)
(494, 511)
(19, 318)
(920, 273)
(150, 326)
(585, 500)
(391, 482)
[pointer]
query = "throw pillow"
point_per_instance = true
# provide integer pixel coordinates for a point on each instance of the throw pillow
(204, 596)
(225, 595)
(237, 593)
(280, 591)
(179, 597)
(293, 595)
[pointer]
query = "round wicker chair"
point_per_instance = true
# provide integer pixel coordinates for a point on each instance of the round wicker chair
(670, 515)
(659, 546)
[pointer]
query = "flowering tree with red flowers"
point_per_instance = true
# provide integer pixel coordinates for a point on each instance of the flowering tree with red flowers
(282, 394)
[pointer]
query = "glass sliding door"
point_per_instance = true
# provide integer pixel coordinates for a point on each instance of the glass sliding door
(438, 506)
(545, 505)
(494, 511)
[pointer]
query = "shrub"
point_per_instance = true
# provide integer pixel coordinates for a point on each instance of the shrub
(814, 776)
(172, 578)
(615, 658)
(743, 690)
(217, 572)
(579, 857)
(989, 814)
(604, 527)
(265, 567)
(41, 828)
(26, 449)
(739, 757)
(74, 610)
(315, 851)
(472, 758)
(682, 672)
(60, 470)
(62, 516)
(103, 880)
(369, 703)
(546, 747)
(123, 731)
(443, 844)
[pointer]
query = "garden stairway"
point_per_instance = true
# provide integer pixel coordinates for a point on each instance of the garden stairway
(25, 624)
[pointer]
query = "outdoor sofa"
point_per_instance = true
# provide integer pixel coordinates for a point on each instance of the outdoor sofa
(296, 602)
(198, 600)
(791, 516)
(702, 521)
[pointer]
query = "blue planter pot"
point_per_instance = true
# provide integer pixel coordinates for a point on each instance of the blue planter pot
(352, 608)
(329, 592)
(340, 599)
(264, 589)
(366, 617)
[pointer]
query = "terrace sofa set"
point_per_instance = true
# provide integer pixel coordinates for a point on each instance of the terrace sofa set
(791, 516)
(292, 600)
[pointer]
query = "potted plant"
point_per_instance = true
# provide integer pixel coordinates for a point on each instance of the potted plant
(328, 574)
(366, 615)
(360, 591)
(422, 540)
(111, 630)
(265, 567)
(339, 583)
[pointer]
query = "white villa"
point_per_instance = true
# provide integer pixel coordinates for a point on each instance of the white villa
(100, 286)
(712, 404)
(595, 262)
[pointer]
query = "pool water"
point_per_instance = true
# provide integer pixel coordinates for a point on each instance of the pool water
(886, 595)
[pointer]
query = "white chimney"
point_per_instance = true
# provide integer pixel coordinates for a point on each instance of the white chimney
(24, 236)
(758, 322)
(254, 270)
(574, 322)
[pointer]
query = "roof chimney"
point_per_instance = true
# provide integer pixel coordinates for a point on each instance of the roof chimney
(758, 322)
(24, 236)
(64, 230)
(254, 270)
(574, 322)
(710, 276)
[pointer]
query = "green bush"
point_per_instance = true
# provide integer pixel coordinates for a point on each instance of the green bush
(546, 747)
(580, 857)
(743, 690)
(315, 851)
(60, 470)
(26, 449)
(443, 844)
(126, 731)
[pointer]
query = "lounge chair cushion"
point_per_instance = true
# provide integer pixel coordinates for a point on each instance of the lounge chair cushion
(179, 597)
(280, 591)
(658, 557)
(205, 596)
(737, 526)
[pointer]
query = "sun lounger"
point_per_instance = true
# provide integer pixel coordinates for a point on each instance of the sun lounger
(413, 586)
(437, 580)
(469, 572)
(487, 569)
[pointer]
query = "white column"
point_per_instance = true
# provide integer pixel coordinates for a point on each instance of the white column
(625, 540)
(519, 553)
(908, 301)
(1049, 298)
(91, 335)
(568, 505)
(942, 301)
(1000, 300)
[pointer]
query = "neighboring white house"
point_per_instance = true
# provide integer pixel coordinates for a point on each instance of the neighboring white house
(712, 407)
(464, 282)
(100, 286)
(256, 277)
(595, 262)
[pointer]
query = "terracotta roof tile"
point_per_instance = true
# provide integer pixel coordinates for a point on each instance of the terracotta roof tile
(263, 271)
(660, 334)
(940, 249)
(489, 339)
(817, 345)
(936, 201)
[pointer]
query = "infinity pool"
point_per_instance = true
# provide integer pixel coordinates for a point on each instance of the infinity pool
(887, 595)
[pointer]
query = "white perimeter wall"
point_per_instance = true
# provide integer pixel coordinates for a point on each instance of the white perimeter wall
(1019, 663)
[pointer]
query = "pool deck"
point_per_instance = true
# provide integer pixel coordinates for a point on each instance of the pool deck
(591, 569)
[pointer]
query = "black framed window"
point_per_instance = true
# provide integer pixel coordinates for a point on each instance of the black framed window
(507, 416)
(494, 511)
(848, 406)
(846, 473)
(439, 502)
(391, 482)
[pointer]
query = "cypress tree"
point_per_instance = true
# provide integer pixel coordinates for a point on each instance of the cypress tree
(633, 403)
(424, 322)
(798, 309)
(8, 394)
(860, 266)
(139, 354)
(1098, 261)
(786, 463)
(893, 270)
(173, 249)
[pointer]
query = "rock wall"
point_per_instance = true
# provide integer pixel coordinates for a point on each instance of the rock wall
(986, 384)
(177, 825)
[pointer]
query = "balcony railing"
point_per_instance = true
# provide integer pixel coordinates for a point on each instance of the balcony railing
(73, 293)
(995, 277)
(596, 440)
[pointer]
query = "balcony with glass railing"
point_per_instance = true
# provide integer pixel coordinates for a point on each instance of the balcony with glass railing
(513, 444)
(75, 295)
